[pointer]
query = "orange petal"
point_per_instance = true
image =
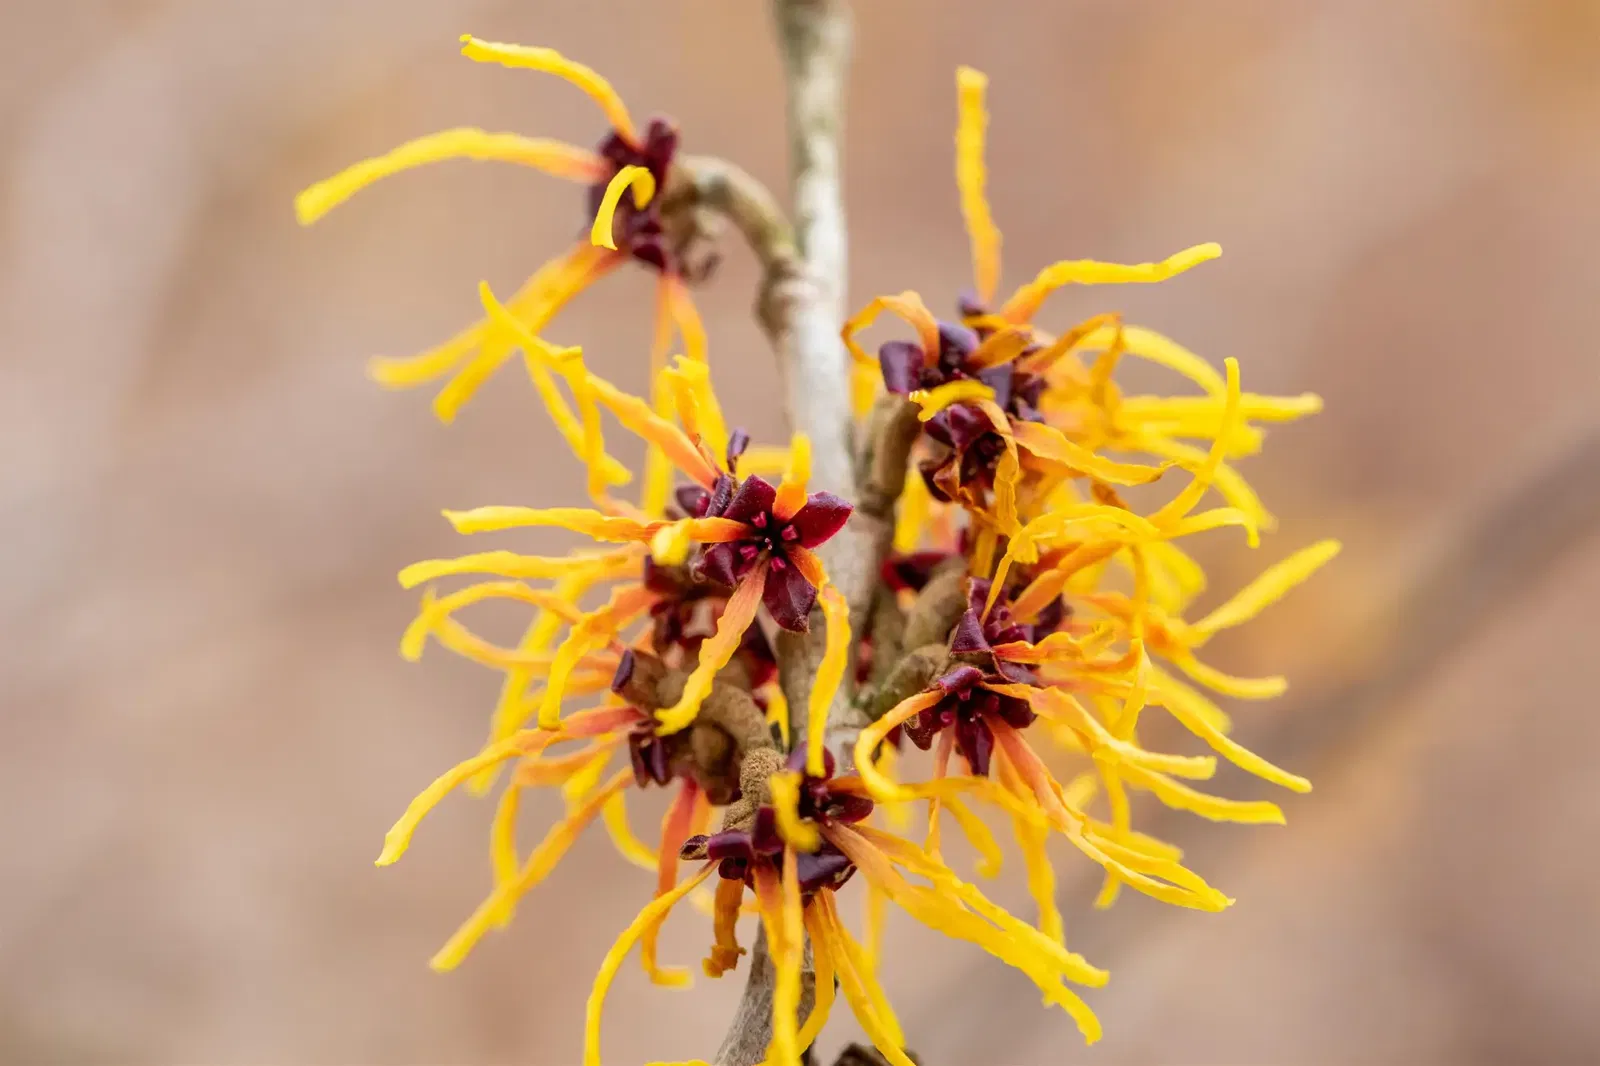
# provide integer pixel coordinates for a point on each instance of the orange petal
(641, 419)
(792, 489)
(684, 315)
(877, 784)
(675, 829)
(716, 650)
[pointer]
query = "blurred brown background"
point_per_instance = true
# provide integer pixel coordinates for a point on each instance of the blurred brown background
(206, 727)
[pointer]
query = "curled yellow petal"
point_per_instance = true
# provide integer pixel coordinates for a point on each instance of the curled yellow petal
(1272, 585)
(931, 401)
(1180, 702)
(822, 959)
(514, 708)
(670, 546)
(787, 951)
(683, 314)
(1032, 841)
(878, 785)
(643, 184)
(434, 609)
(553, 157)
(503, 835)
(978, 835)
(495, 911)
(696, 401)
(653, 914)
(1190, 495)
(549, 61)
(1026, 300)
(858, 987)
(911, 518)
(800, 834)
(592, 631)
(1179, 796)
(1049, 443)
(614, 815)
(398, 838)
(715, 651)
(568, 275)
(865, 372)
(642, 419)
(959, 910)
(1245, 688)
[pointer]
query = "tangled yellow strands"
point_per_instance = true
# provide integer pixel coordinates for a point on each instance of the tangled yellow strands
(1053, 515)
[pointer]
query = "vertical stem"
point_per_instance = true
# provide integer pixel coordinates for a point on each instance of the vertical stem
(803, 311)
(815, 38)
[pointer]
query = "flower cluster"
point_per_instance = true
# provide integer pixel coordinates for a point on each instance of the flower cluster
(1028, 604)
(1067, 600)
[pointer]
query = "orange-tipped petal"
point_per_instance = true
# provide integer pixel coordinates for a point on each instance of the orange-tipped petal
(594, 630)
(570, 275)
(792, 489)
(676, 827)
(641, 419)
(909, 306)
(492, 912)
(685, 316)
(877, 784)
(716, 650)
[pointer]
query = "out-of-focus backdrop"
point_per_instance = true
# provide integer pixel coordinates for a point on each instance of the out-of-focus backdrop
(203, 504)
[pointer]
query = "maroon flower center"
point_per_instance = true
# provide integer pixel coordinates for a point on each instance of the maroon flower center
(788, 594)
(638, 230)
(738, 851)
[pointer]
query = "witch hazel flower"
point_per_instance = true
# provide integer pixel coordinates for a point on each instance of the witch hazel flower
(794, 850)
(624, 177)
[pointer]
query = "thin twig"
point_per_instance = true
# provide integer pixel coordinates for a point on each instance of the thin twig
(801, 307)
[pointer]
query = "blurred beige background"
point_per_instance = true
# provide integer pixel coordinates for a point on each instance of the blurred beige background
(203, 505)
